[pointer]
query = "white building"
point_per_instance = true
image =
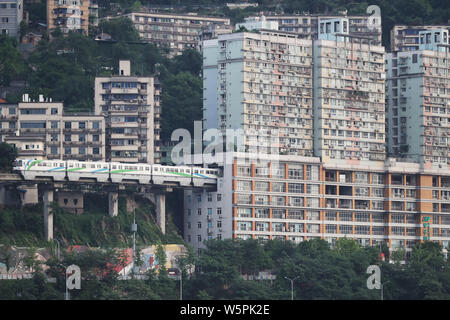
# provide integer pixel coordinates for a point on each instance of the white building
(257, 23)
(11, 14)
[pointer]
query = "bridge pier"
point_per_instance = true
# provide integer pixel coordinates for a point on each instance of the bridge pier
(113, 203)
(160, 200)
(48, 214)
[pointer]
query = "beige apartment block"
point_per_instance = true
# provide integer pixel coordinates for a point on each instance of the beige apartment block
(40, 129)
(175, 31)
(131, 108)
(406, 38)
(301, 198)
(71, 15)
(307, 25)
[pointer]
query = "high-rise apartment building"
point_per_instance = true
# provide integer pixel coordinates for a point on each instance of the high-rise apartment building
(71, 15)
(406, 38)
(349, 101)
(323, 97)
(307, 25)
(11, 14)
(300, 198)
(260, 83)
(130, 105)
(418, 101)
(41, 129)
(177, 32)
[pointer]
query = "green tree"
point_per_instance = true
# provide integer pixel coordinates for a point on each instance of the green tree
(8, 154)
(12, 64)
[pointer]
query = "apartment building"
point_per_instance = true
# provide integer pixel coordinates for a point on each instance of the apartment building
(418, 101)
(11, 14)
(72, 15)
(177, 32)
(42, 130)
(406, 38)
(307, 25)
(349, 95)
(300, 198)
(131, 109)
(260, 83)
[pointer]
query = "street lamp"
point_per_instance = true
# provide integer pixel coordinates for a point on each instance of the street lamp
(58, 246)
(181, 284)
(292, 285)
(382, 287)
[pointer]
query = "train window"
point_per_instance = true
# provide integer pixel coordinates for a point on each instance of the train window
(155, 169)
(188, 171)
(181, 170)
(195, 171)
(120, 167)
(113, 167)
(99, 166)
(62, 165)
(83, 165)
(140, 169)
(92, 166)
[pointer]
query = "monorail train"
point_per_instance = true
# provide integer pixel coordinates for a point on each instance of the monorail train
(115, 172)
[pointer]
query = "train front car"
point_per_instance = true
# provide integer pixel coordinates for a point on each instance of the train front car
(202, 176)
(181, 176)
(53, 169)
(80, 170)
(130, 172)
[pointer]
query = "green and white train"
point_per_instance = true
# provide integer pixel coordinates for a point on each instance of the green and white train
(115, 172)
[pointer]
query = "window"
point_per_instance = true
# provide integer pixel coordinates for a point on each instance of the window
(82, 125)
(219, 197)
(199, 211)
(67, 150)
(219, 210)
(68, 125)
(95, 150)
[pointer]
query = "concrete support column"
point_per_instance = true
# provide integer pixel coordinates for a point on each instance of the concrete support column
(113, 201)
(160, 200)
(48, 214)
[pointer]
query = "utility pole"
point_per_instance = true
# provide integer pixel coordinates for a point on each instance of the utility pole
(382, 287)
(292, 285)
(134, 230)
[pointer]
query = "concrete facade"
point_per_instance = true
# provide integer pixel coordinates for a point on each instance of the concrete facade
(418, 114)
(11, 15)
(71, 201)
(42, 130)
(131, 107)
(260, 83)
(349, 99)
(307, 25)
(406, 38)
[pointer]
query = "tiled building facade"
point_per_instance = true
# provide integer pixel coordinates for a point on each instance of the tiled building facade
(300, 198)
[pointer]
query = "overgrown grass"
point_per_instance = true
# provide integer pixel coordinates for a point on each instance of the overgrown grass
(25, 227)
